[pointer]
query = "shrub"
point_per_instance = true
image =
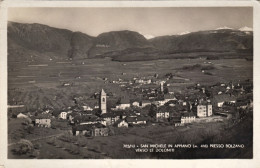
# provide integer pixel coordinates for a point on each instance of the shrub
(50, 141)
(37, 146)
(24, 147)
(27, 121)
(191, 67)
(213, 58)
(208, 67)
(208, 73)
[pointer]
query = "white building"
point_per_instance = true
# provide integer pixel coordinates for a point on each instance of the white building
(187, 118)
(63, 115)
(136, 104)
(162, 115)
(122, 106)
(204, 110)
(145, 103)
(121, 123)
(21, 115)
(87, 108)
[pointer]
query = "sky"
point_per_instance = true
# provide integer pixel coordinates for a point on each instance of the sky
(149, 21)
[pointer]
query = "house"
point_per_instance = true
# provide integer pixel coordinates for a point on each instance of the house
(139, 81)
(42, 120)
(166, 99)
(219, 100)
(141, 120)
(110, 118)
(136, 120)
(137, 112)
(123, 106)
(160, 102)
(100, 130)
(87, 108)
(90, 130)
(21, 115)
(63, 115)
(187, 118)
(137, 104)
(71, 117)
(101, 121)
(244, 102)
(85, 119)
(124, 103)
(121, 123)
(169, 97)
(145, 103)
(141, 104)
(82, 130)
(148, 81)
(177, 121)
(162, 115)
(204, 109)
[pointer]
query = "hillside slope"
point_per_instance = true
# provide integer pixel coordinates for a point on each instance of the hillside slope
(214, 40)
(34, 42)
(117, 41)
(37, 39)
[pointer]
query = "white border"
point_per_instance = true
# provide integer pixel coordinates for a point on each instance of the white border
(230, 163)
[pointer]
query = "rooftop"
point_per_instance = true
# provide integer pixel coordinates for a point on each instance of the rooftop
(188, 115)
(223, 97)
(87, 127)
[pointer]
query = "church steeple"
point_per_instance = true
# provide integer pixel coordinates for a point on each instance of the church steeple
(103, 92)
(103, 102)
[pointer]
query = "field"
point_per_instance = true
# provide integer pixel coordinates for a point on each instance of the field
(38, 85)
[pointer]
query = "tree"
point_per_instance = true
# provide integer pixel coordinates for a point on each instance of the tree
(97, 112)
(165, 90)
(153, 110)
(118, 101)
(30, 128)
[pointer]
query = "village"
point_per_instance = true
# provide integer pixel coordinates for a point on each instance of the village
(153, 104)
(129, 82)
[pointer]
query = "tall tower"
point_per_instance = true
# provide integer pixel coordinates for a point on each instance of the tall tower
(103, 102)
(161, 84)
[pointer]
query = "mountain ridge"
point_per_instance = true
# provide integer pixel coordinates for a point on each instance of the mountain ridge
(65, 44)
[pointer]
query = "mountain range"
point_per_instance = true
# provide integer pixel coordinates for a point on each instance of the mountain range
(37, 41)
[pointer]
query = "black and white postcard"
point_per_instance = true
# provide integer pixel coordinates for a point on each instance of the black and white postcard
(94, 82)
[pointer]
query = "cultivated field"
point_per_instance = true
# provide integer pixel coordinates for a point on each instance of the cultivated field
(36, 85)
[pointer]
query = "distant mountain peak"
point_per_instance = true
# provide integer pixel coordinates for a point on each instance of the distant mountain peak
(183, 33)
(147, 36)
(224, 27)
(245, 28)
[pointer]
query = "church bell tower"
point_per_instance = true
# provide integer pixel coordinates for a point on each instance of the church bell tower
(103, 102)
(161, 85)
